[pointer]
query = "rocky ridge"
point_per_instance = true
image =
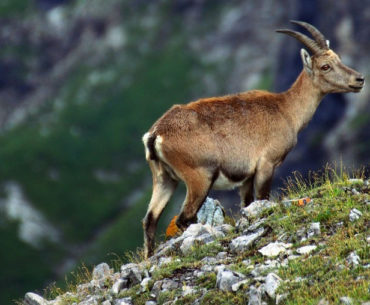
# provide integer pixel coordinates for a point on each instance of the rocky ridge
(250, 262)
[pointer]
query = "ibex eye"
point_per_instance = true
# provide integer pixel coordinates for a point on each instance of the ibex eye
(325, 67)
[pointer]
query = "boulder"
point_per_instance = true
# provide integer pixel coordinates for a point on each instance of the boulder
(272, 283)
(244, 242)
(34, 299)
(274, 249)
(257, 207)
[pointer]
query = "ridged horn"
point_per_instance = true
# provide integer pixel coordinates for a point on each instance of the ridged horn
(312, 45)
(316, 34)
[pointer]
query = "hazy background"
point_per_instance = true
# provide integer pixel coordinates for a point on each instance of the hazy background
(81, 81)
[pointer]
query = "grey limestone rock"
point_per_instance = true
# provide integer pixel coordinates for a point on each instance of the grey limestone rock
(242, 224)
(354, 215)
(101, 271)
(346, 300)
(168, 284)
(353, 259)
(145, 283)
(257, 207)
(272, 283)
(244, 242)
(314, 229)
(34, 299)
(274, 249)
(306, 249)
(132, 273)
(198, 233)
(255, 296)
(211, 213)
(124, 301)
(227, 278)
(119, 285)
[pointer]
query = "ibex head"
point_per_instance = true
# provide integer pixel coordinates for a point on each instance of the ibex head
(325, 67)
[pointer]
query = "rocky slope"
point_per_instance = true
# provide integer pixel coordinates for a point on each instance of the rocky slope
(276, 253)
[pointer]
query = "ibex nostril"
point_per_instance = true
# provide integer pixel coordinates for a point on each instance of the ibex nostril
(360, 79)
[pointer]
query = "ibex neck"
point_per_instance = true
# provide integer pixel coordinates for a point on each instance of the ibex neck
(302, 100)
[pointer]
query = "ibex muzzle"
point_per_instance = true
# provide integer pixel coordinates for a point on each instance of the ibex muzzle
(238, 140)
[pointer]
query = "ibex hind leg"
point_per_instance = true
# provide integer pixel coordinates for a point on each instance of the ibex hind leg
(198, 183)
(163, 188)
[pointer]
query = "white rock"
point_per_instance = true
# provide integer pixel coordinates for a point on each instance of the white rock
(274, 249)
(106, 302)
(168, 284)
(242, 243)
(221, 255)
(255, 297)
(227, 278)
(164, 261)
(272, 283)
(235, 287)
(198, 229)
(354, 215)
(124, 301)
(306, 249)
(314, 229)
(34, 299)
(353, 259)
(242, 224)
(187, 245)
(132, 273)
(346, 301)
(150, 303)
(211, 213)
(101, 271)
(119, 285)
(257, 207)
(145, 284)
(225, 228)
(186, 290)
(356, 181)
(290, 257)
(323, 302)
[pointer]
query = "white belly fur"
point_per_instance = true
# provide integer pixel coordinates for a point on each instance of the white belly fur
(223, 183)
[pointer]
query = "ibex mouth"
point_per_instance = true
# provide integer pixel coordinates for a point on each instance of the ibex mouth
(356, 88)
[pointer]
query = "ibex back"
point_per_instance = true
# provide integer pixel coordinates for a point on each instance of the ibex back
(238, 140)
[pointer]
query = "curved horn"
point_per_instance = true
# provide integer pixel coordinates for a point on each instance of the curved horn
(316, 34)
(308, 42)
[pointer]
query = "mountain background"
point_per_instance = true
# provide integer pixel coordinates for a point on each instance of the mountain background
(82, 81)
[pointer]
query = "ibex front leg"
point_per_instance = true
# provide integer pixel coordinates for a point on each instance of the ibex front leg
(246, 193)
(262, 179)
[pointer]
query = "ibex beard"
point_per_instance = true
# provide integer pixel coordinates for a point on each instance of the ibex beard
(238, 140)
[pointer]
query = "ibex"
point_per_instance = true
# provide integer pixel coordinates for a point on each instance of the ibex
(238, 140)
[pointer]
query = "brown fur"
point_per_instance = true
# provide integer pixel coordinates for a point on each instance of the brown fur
(235, 140)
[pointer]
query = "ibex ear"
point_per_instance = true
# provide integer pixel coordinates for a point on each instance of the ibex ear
(307, 62)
